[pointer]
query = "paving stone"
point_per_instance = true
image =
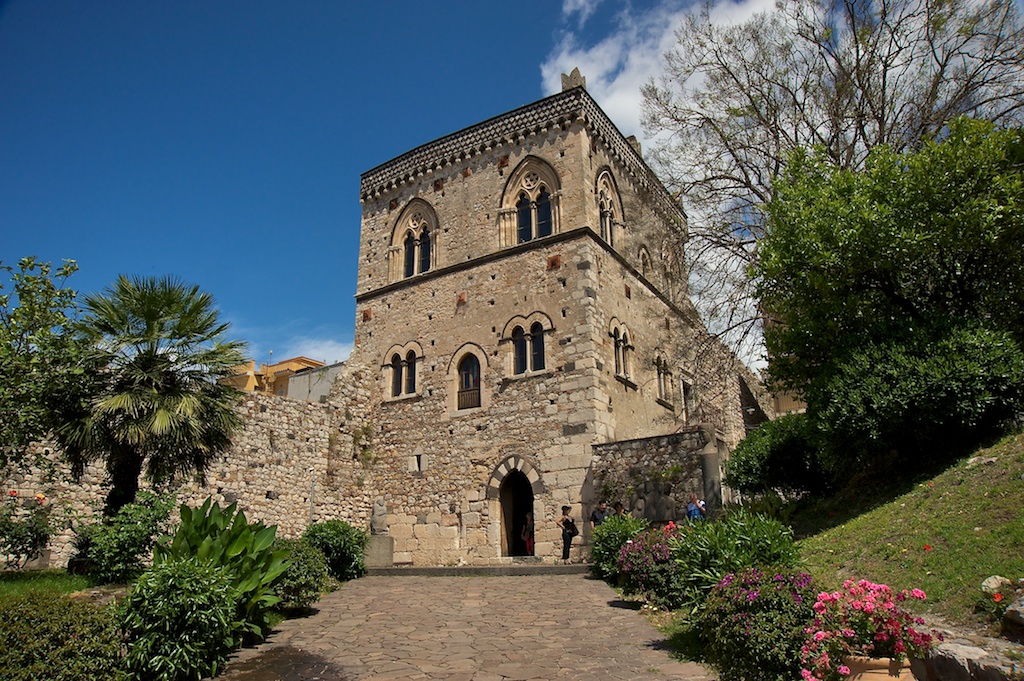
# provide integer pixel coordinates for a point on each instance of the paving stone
(507, 628)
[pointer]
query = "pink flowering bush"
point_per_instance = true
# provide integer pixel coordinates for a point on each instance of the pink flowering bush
(861, 619)
(647, 568)
(752, 624)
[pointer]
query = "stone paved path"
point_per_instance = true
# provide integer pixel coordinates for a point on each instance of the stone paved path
(466, 629)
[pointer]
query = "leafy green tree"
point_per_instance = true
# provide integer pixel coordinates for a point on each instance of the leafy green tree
(737, 98)
(917, 241)
(39, 354)
(155, 404)
(897, 292)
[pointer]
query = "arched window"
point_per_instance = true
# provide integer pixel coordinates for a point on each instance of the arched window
(664, 379)
(410, 254)
(623, 349)
(626, 347)
(645, 263)
(518, 351)
(524, 211)
(534, 217)
(544, 213)
(609, 206)
(425, 250)
(606, 217)
(537, 346)
(399, 366)
(412, 244)
(410, 373)
(469, 382)
(529, 205)
(618, 352)
(396, 375)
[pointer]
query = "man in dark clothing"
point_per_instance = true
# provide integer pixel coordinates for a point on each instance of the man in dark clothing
(599, 514)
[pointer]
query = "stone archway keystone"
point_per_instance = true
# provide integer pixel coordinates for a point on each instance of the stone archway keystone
(513, 463)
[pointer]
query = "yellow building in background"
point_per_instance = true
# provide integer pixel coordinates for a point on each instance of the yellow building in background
(269, 379)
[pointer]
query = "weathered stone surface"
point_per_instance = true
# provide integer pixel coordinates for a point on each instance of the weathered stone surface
(1015, 611)
(996, 583)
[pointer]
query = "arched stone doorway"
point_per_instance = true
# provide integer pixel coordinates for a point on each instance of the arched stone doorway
(516, 496)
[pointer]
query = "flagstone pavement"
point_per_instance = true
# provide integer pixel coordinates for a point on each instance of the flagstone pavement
(543, 627)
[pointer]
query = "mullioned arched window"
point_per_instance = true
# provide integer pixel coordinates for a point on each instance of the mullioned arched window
(623, 348)
(401, 370)
(609, 206)
(529, 206)
(526, 335)
(412, 241)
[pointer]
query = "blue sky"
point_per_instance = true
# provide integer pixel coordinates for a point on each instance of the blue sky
(222, 141)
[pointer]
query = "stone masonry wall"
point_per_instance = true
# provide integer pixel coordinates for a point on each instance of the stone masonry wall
(652, 477)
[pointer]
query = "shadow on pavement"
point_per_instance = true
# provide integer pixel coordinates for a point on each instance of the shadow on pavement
(284, 664)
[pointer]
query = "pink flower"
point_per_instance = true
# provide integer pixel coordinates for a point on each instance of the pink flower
(820, 635)
(806, 674)
(843, 669)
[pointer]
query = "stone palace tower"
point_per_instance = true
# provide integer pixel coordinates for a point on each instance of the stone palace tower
(521, 300)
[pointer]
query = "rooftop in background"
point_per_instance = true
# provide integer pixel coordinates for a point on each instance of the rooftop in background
(269, 379)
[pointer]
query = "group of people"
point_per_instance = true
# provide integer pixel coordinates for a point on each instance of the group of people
(695, 510)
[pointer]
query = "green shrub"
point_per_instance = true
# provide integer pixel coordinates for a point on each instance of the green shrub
(48, 636)
(646, 566)
(752, 624)
(25, 529)
(781, 455)
(608, 539)
(179, 620)
(703, 553)
(932, 394)
(304, 580)
(342, 545)
(118, 548)
(224, 538)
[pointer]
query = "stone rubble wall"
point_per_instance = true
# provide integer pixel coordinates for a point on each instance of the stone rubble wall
(652, 477)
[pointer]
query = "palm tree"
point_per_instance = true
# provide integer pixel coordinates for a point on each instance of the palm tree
(155, 403)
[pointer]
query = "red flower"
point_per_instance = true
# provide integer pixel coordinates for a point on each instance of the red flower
(13, 493)
(997, 597)
(927, 547)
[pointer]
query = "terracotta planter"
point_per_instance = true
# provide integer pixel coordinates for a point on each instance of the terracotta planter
(877, 669)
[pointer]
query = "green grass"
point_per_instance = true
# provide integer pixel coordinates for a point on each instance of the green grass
(943, 534)
(46, 581)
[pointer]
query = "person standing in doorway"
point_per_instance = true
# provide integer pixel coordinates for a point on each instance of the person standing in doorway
(527, 534)
(568, 527)
(599, 514)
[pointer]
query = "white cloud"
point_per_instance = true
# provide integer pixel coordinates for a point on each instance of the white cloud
(582, 7)
(616, 65)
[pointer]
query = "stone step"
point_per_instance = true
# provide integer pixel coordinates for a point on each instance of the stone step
(510, 570)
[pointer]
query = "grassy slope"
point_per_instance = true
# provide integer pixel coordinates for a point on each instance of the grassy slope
(945, 535)
(50, 581)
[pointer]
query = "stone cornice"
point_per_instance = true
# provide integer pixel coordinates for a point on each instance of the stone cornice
(555, 112)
